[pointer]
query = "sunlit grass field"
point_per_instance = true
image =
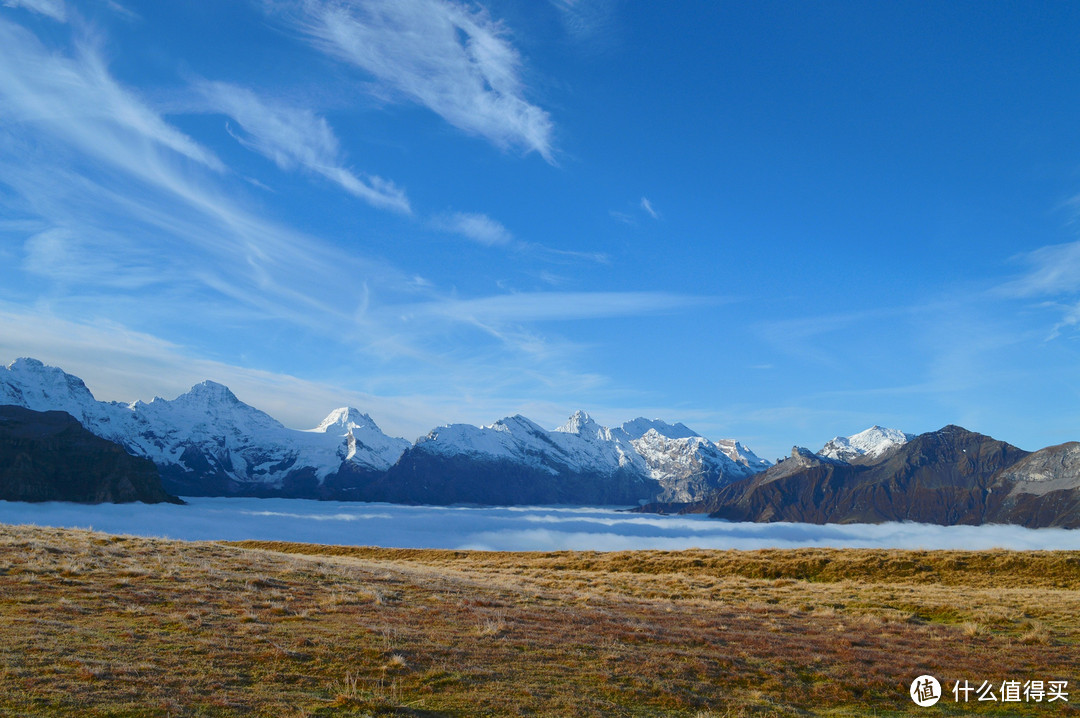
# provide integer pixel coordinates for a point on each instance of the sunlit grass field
(99, 625)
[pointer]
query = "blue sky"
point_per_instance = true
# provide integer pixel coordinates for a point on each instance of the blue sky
(776, 222)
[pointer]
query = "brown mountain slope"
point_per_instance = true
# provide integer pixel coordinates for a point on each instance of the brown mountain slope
(951, 476)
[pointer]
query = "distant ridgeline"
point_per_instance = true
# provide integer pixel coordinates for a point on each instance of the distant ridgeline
(208, 443)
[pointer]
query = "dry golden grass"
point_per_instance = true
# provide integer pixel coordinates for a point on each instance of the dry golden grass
(100, 625)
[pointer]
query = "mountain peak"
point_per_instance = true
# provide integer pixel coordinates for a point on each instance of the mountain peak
(344, 420)
(870, 443)
(36, 385)
(26, 363)
(579, 422)
(205, 394)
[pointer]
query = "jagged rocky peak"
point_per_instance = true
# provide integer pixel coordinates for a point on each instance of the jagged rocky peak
(1055, 466)
(343, 420)
(740, 454)
(869, 444)
(579, 423)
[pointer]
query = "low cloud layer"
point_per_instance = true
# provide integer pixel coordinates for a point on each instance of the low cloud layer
(506, 528)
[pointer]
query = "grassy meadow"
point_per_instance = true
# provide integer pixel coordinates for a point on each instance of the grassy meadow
(100, 625)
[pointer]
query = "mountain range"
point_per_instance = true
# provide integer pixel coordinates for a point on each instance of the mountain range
(948, 477)
(207, 442)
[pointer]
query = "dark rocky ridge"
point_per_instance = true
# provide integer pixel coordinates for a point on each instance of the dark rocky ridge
(49, 456)
(948, 477)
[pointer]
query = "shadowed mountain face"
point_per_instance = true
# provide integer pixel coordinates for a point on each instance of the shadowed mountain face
(49, 456)
(951, 476)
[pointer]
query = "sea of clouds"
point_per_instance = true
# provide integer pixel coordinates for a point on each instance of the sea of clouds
(521, 528)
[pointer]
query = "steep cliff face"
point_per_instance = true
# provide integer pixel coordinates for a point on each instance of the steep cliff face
(1043, 489)
(49, 456)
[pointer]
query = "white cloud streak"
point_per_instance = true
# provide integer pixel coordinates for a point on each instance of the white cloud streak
(588, 22)
(478, 227)
(647, 206)
(78, 99)
(558, 306)
(56, 9)
(297, 138)
(1051, 270)
(451, 58)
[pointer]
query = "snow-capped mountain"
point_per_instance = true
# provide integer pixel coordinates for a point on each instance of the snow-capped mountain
(687, 465)
(32, 385)
(688, 468)
(579, 446)
(578, 462)
(208, 442)
(866, 445)
(365, 443)
(515, 460)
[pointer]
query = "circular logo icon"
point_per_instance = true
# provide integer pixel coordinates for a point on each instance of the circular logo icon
(925, 691)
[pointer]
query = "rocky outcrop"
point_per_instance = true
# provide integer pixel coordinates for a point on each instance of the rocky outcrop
(1043, 488)
(49, 456)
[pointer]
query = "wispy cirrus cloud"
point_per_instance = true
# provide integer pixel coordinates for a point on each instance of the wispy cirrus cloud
(558, 306)
(475, 226)
(56, 9)
(97, 169)
(647, 206)
(589, 22)
(449, 57)
(1051, 272)
(485, 230)
(1054, 269)
(297, 138)
(77, 98)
